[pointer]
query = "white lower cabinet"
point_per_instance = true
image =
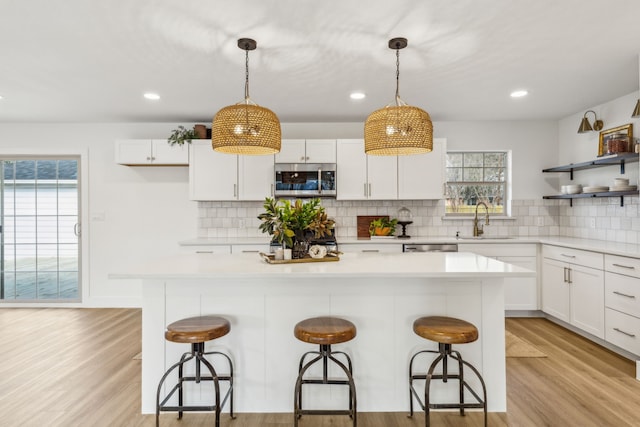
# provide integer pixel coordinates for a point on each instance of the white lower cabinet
(573, 287)
(622, 302)
(205, 250)
(519, 293)
(370, 248)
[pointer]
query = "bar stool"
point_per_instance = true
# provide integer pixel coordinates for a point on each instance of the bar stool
(445, 331)
(196, 331)
(325, 331)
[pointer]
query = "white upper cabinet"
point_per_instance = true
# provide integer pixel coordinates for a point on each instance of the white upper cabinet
(307, 151)
(422, 176)
(218, 176)
(362, 177)
(150, 152)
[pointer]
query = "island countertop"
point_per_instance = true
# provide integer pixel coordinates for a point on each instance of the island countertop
(361, 265)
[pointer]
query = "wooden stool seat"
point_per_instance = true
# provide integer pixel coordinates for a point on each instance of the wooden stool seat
(325, 330)
(445, 330)
(197, 329)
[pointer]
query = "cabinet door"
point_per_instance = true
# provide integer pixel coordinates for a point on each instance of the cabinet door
(587, 299)
(382, 177)
(352, 170)
(520, 293)
(164, 154)
(133, 151)
(212, 175)
(555, 290)
(291, 151)
(320, 151)
(255, 177)
(422, 176)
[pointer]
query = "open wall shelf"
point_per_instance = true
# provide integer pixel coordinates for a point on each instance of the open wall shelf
(611, 160)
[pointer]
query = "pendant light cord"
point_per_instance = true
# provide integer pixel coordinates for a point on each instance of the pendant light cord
(246, 76)
(398, 101)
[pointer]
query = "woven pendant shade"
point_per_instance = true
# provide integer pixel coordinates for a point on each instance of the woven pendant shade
(246, 129)
(400, 129)
(397, 131)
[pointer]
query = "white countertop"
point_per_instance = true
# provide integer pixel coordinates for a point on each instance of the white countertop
(614, 248)
(394, 265)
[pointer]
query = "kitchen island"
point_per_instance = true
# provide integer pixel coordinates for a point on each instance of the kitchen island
(382, 294)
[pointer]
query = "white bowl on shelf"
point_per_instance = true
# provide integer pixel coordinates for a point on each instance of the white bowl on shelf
(574, 189)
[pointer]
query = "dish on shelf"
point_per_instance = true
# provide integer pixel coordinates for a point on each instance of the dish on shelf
(571, 189)
(623, 188)
(595, 189)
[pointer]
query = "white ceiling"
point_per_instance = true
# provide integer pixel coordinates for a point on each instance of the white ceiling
(91, 60)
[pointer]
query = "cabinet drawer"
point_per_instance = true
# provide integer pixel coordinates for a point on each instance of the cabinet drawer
(499, 249)
(574, 256)
(622, 330)
(207, 249)
(249, 249)
(370, 247)
(622, 293)
(623, 265)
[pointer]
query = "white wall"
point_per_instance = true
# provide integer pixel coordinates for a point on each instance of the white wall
(138, 213)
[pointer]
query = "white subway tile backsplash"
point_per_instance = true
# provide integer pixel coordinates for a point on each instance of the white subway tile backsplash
(612, 221)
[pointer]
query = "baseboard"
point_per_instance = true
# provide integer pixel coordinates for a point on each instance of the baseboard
(523, 313)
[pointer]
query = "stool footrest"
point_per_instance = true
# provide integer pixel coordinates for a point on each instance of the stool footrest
(325, 412)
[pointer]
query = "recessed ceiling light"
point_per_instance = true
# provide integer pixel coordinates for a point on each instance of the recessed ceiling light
(357, 95)
(519, 93)
(152, 96)
(0, 96)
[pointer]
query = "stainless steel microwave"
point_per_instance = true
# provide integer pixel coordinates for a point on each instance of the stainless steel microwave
(305, 180)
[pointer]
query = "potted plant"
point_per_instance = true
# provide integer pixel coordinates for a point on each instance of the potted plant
(181, 135)
(383, 226)
(292, 224)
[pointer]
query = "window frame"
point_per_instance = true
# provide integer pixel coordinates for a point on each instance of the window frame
(507, 183)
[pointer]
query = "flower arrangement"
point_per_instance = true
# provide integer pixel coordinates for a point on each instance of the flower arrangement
(181, 135)
(285, 220)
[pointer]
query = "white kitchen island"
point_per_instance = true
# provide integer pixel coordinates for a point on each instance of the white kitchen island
(382, 294)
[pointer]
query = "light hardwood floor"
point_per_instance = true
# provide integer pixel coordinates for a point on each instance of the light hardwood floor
(75, 367)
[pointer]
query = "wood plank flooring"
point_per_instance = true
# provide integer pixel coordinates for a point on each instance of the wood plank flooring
(75, 367)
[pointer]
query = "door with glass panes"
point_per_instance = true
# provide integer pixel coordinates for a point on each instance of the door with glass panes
(40, 244)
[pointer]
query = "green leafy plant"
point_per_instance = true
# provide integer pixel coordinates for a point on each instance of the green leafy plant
(383, 226)
(181, 135)
(285, 220)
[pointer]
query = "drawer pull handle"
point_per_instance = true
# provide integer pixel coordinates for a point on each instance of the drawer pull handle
(204, 252)
(568, 256)
(623, 332)
(370, 250)
(630, 267)
(249, 252)
(624, 295)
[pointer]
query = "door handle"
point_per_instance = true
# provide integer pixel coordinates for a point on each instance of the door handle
(76, 229)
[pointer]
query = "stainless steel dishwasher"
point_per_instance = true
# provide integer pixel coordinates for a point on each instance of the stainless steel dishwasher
(429, 247)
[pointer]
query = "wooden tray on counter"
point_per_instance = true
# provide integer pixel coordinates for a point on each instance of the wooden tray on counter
(271, 259)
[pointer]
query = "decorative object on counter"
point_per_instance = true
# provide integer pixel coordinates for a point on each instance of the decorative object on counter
(398, 129)
(616, 140)
(181, 135)
(363, 224)
(383, 226)
(246, 128)
(201, 131)
(317, 251)
(404, 219)
(293, 224)
(271, 259)
(585, 126)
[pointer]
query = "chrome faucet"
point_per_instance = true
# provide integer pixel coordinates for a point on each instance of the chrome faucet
(477, 228)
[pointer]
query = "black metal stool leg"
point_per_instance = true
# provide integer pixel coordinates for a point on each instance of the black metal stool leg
(325, 354)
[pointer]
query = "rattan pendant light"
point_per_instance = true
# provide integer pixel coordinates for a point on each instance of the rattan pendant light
(398, 129)
(246, 128)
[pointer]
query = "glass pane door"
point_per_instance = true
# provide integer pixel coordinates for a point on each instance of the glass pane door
(40, 230)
